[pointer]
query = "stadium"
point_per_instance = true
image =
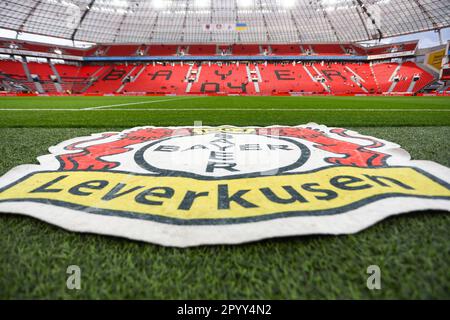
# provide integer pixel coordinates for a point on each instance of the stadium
(75, 68)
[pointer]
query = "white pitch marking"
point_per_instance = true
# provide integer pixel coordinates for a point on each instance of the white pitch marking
(237, 109)
(136, 103)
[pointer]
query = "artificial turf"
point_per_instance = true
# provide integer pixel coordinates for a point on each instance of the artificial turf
(412, 250)
(379, 111)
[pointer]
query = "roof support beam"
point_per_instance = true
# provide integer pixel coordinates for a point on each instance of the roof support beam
(294, 22)
(176, 21)
(186, 10)
(357, 8)
(154, 25)
(211, 38)
(426, 13)
(28, 16)
(264, 21)
(327, 17)
(369, 15)
(236, 19)
(124, 16)
(88, 9)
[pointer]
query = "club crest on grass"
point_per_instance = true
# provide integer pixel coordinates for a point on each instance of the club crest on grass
(187, 186)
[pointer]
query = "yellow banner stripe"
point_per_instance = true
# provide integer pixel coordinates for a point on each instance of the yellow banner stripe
(327, 191)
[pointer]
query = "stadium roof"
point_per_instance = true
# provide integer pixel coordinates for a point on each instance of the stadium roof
(223, 21)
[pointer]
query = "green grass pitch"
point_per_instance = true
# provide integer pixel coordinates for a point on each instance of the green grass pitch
(412, 250)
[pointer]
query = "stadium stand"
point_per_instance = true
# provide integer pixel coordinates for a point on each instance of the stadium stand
(245, 50)
(115, 50)
(122, 50)
(70, 78)
(14, 68)
(42, 70)
(75, 78)
(202, 50)
(158, 79)
(392, 48)
(223, 78)
(220, 78)
(365, 75)
(14, 76)
(42, 48)
(34, 47)
(328, 49)
(357, 49)
(329, 69)
(224, 50)
(282, 50)
(339, 79)
(72, 51)
(163, 50)
(285, 78)
(109, 80)
(384, 73)
(411, 77)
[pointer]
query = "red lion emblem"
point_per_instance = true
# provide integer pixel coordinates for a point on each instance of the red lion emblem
(90, 158)
(353, 154)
